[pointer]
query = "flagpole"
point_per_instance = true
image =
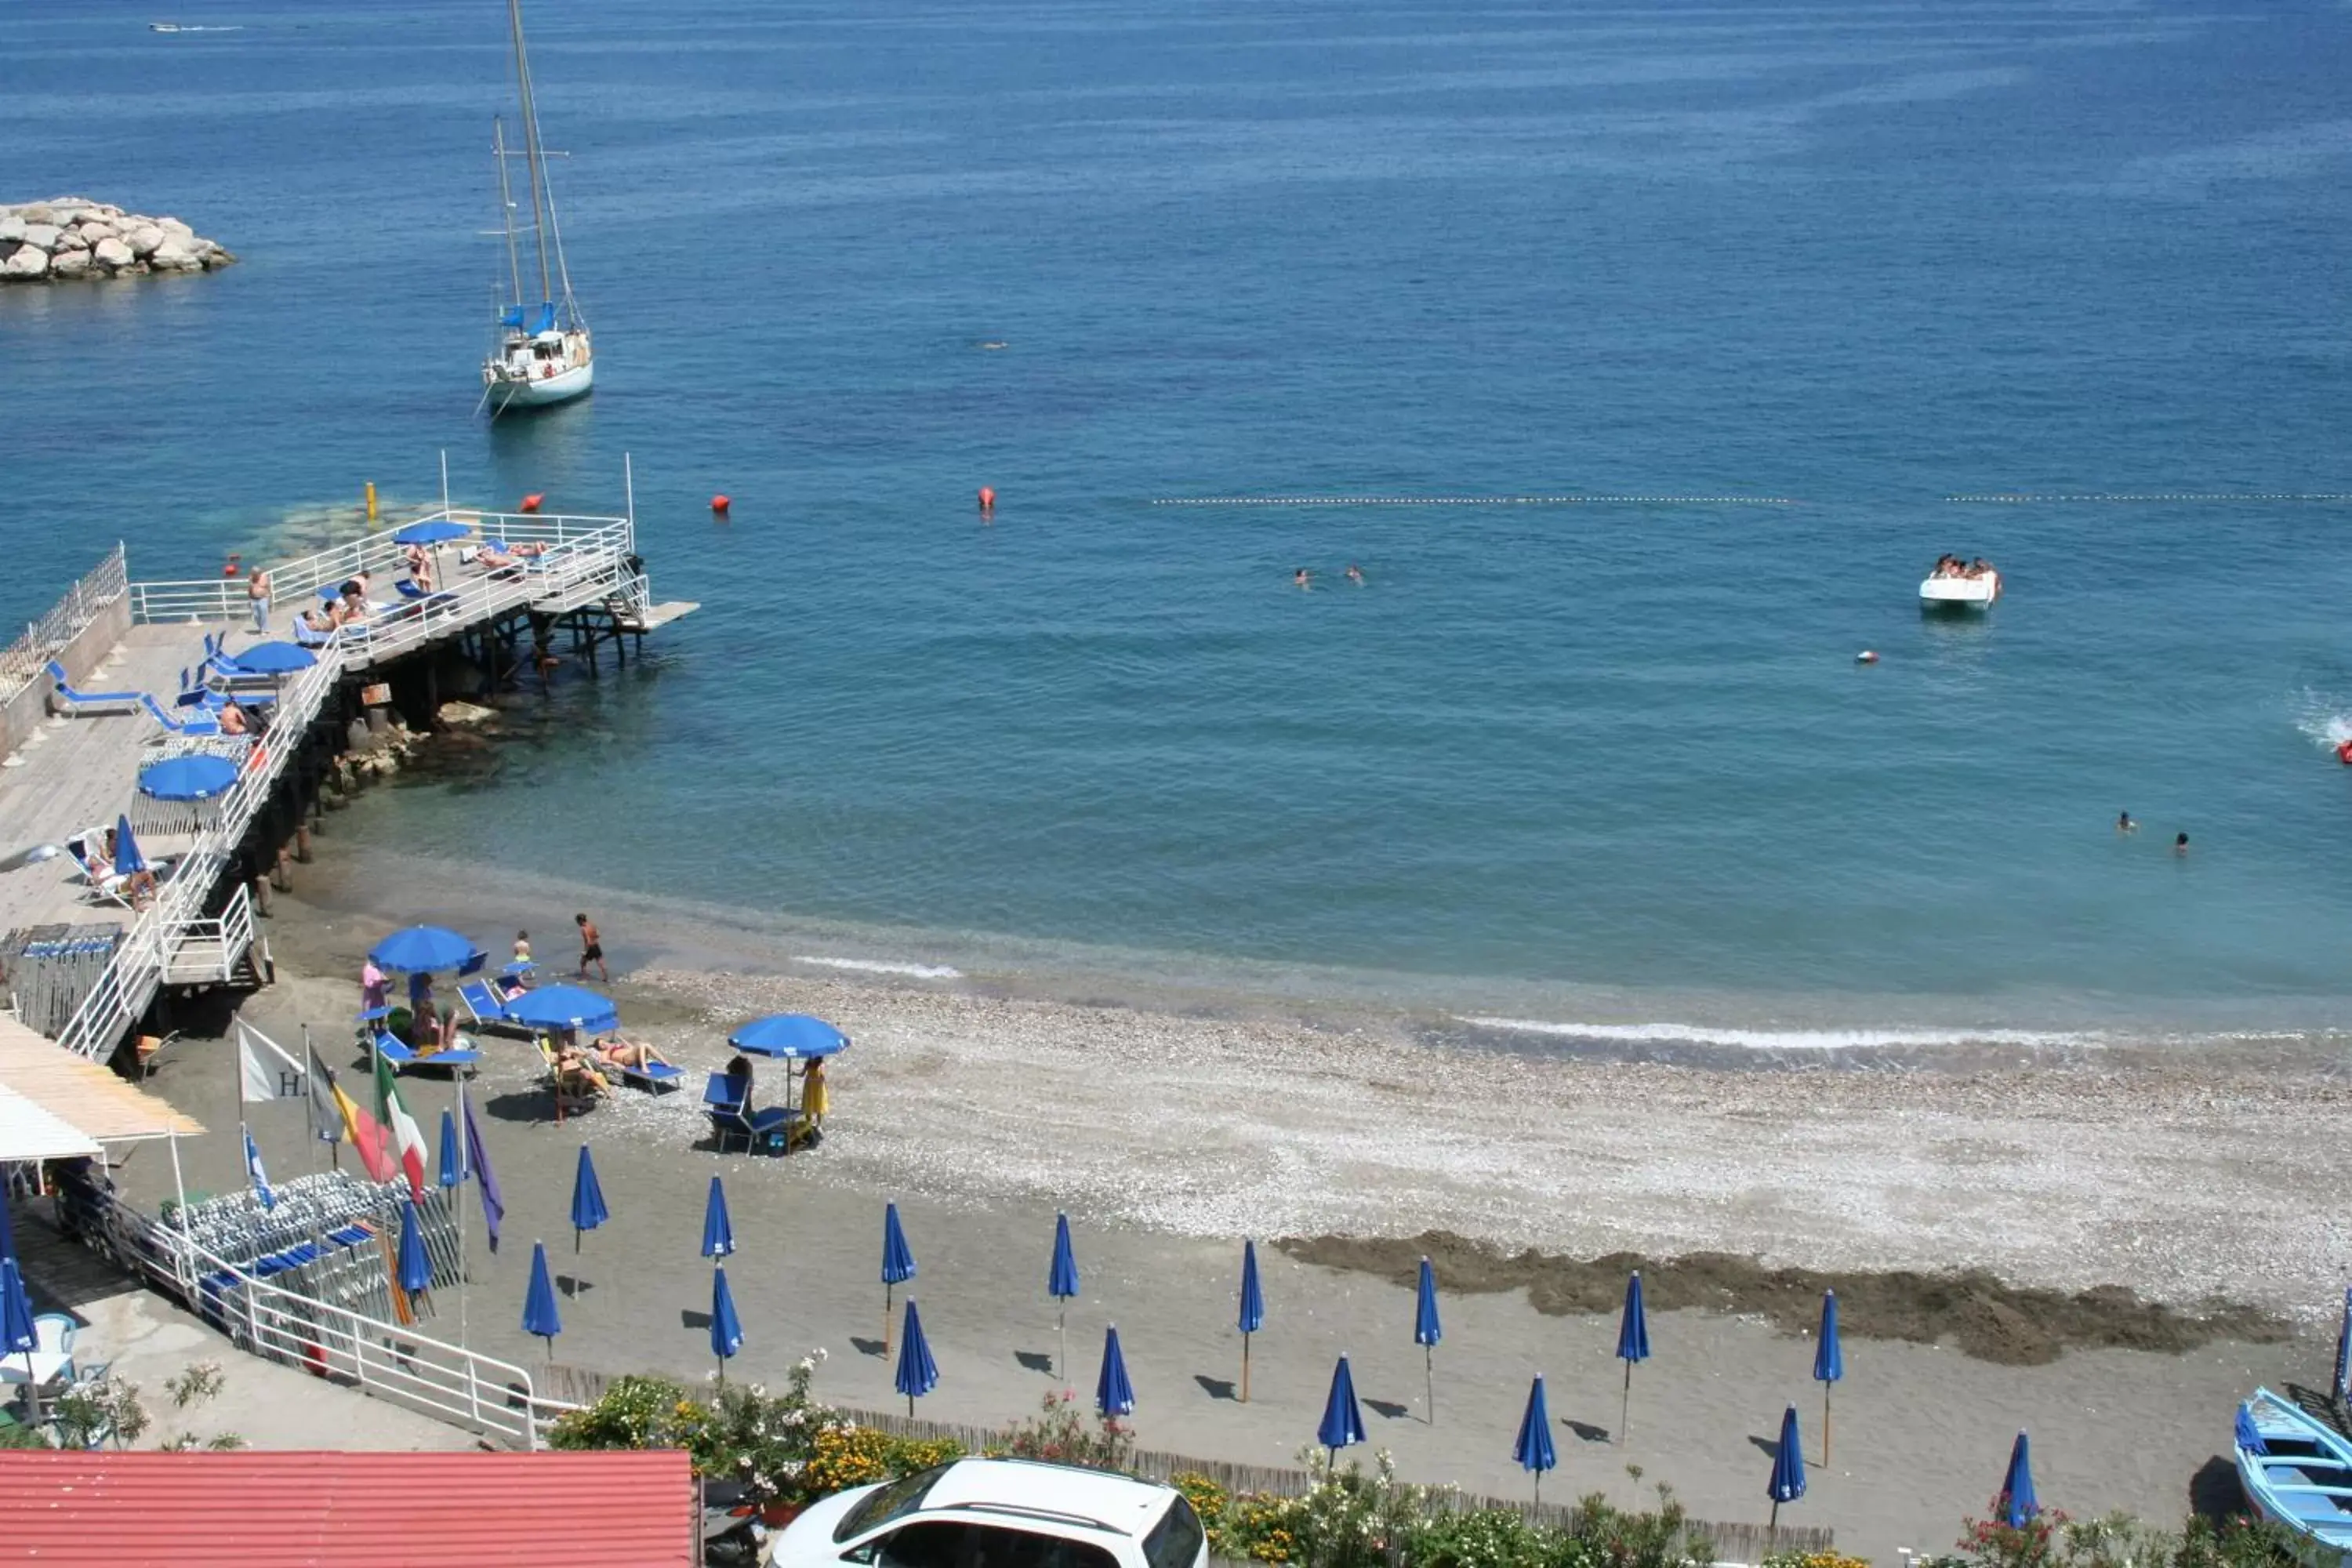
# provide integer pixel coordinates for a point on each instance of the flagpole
(458, 1201)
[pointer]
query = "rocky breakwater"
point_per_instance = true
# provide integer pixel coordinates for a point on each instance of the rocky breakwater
(74, 238)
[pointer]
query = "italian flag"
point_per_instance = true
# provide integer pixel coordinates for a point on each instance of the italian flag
(407, 1138)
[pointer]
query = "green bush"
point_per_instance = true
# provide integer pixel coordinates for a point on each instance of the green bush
(739, 1432)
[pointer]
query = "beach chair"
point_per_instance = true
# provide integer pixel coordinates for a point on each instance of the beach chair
(53, 1333)
(573, 1088)
(78, 700)
(481, 1001)
(404, 1058)
(199, 723)
(654, 1078)
(733, 1120)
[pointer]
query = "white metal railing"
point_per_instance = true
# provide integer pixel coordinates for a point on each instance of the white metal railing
(390, 1361)
(231, 930)
(41, 641)
(144, 959)
(572, 571)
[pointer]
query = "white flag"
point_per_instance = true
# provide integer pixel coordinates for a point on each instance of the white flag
(273, 1076)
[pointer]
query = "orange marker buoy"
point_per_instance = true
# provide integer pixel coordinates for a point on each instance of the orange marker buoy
(530, 502)
(718, 503)
(987, 498)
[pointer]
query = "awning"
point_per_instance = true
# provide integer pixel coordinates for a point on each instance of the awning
(29, 1132)
(620, 1510)
(82, 1094)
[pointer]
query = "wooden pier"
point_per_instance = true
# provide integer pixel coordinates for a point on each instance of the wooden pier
(66, 770)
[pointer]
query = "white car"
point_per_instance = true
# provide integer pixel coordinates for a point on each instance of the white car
(998, 1513)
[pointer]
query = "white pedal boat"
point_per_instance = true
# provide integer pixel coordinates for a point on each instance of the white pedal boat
(1961, 593)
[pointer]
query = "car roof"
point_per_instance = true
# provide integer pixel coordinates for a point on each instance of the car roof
(1063, 1493)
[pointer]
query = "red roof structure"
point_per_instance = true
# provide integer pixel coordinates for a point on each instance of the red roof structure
(348, 1510)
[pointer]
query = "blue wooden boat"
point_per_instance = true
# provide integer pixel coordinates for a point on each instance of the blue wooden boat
(2297, 1470)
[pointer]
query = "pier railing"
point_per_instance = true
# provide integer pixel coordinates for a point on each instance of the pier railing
(178, 916)
(42, 640)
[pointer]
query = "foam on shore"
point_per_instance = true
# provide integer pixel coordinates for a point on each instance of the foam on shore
(1792, 1039)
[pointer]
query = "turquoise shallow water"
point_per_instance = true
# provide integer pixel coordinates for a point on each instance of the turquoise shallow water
(1861, 257)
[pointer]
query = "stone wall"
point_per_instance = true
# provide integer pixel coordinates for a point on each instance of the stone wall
(71, 236)
(23, 713)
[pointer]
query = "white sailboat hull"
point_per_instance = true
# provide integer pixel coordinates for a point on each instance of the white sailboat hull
(522, 392)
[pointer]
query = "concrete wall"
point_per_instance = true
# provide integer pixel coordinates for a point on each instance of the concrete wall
(23, 713)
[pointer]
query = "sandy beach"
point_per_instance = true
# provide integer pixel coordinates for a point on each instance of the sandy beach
(1168, 1138)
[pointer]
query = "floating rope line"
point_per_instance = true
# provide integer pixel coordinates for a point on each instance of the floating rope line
(1474, 500)
(2099, 499)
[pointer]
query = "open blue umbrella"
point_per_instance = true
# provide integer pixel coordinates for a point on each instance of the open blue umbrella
(538, 1314)
(1062, 1283)
(1829, 1363)
(1114, 1395)
(2343, 1384)
(563, 1007)
(788, 1035)
(16, 1332)
(725, 1328)
(128, 860)
(415, 1268)
(898, 1263)
(1534, 1450)
(1253, 1316)
(197, 776)
(588, 1210)
(453, 1153)
(918, 1373)
(1632, 1345)
(1426, 1333)
(432, 530)
(422, 950)
(272, 658)
(718, 1232)
(2017, 1503)
(1788, 1466)
(1343, 1424)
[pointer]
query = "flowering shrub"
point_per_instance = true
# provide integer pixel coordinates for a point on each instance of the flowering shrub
(1058, 1432)
(738, 1432)
(2052, 1539)
(1815, 1560)
(845, 1456)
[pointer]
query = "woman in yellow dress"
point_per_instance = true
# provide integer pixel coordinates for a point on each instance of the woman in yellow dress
(814, 1099)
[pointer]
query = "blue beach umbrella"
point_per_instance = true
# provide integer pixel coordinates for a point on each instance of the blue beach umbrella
(421, 949)
(198, 776)
(432, 530)
(1534, 1450)
(273, 659)
(1632, 1345)
(718, 1232)
(1343, 1424)
(898, 1263)
(1829, 1363)
(1114, 1395)
(2343, 1383)
(1062, 1283)
(415, 1268)
(918, 1373)
(1426, 1333)
(128, 860)
(538, 1314)
(588, 1210)
(1253, 1316)
(725, 1328)
(788, 1035)
(563, 1007)
(1788, 1466)
(2017, 1503)
(453, 1153)
(16, 1332)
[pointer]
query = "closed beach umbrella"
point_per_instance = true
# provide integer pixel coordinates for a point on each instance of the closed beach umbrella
(1426, 1333)
(127, 861)
(2343, 1383)
(918, 1373)
(1788, 1466)
(1062, 1283)
(563, 1007)
(1343, 1424)
(1534, 1450)
(1114, 1395)
(538, 1314)
(718, 1232)
(433, 531)
(1253, 1316)
(1632, 1345)
(898, 1263)
(452, 1170)
(725, 1328)
(198, 776)
(18, 1335)
(273, 659)
(415, 1268)
(422, 950)
(588, 1210)
(2017, 1503)
(1829, 1363)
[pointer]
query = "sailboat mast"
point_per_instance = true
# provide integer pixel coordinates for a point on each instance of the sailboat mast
(506, 207)
(530, 149)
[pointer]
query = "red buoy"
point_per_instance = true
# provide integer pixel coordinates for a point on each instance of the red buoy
(2344, 752)
(718, 503)
(530, 502)
(987, 499)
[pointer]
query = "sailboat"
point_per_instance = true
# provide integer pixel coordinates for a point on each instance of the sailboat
(544, 354)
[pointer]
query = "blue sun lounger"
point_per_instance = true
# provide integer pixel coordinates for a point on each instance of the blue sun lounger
(77, 700)
(193, 724)
(759, 1129)
(404, 1060)
(654, 1078)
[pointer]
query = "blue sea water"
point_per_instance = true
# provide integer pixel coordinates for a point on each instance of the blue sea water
(1860, 258)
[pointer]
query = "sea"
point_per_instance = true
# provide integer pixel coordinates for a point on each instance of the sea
(1641, 356)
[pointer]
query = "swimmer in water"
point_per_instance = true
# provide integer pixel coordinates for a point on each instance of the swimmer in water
(2181, 844)
(1355, 574)
(2124, 823)
(1301, 579)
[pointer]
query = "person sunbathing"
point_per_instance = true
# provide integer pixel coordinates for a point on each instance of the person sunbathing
(575, 1067)
(634, 1055)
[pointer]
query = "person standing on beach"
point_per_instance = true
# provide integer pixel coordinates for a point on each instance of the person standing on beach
(522, 947)
(257, 589)
(814, 1100)
(591, 949)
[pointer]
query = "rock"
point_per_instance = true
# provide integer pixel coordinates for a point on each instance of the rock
(44, 234)
(94, 229)
(457, 715)
(112, 254)
(174, 225)
(105, 241)
(144, 239)
(70, 264)
(173, 256)
(34, 212)
(73, 239)
(12, 229)
(29, 261)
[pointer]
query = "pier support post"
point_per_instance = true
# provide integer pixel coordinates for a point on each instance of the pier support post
(302, 844)
(261, 895)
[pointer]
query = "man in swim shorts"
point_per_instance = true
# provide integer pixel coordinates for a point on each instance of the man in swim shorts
(591, 949)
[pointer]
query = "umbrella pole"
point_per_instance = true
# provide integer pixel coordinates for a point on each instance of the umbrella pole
(1825, 1422)
(887, 1288)
(32, 1390)
(1429, 1380)
(1625, 1402)
(1062, 1327)
(1773, 1528)
(1244, 1369)
(911, 1407)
